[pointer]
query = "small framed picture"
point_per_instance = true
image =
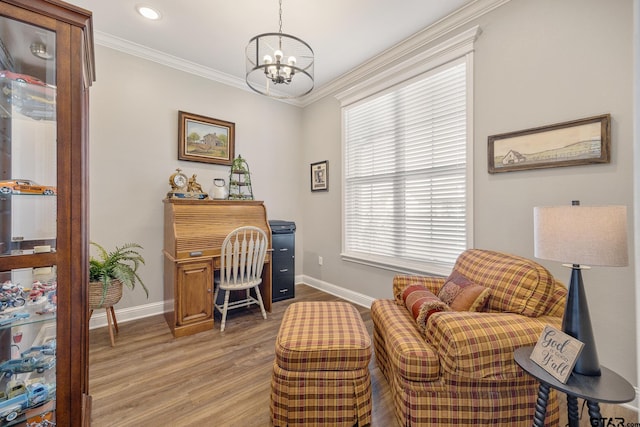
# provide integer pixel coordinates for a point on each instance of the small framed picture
(320, 176)
(206, 140)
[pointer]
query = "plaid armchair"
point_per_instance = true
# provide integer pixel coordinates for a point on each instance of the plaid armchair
(460, 370)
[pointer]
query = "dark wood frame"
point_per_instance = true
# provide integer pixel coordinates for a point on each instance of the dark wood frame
(75, 73)
(322, 166)
(204, 156)
(545, 140)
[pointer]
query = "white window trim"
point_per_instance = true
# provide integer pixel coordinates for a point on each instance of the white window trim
(460, 46)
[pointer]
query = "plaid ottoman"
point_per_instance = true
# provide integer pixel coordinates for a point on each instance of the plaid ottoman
(321, 371)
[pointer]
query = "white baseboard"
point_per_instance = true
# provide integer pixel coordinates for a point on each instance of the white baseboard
(347, 294)
(99, 317)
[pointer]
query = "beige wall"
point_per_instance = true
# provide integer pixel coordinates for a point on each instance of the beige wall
(536, 63)
(133, 150)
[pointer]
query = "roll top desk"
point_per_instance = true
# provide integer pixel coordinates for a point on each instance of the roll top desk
(193, 234)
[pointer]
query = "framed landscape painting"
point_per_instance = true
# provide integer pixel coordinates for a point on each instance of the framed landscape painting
(206, 140)
(578, 142)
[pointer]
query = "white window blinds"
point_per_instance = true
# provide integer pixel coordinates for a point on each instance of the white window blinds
(405, 173)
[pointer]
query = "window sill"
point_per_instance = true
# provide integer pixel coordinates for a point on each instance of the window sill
(399, 266)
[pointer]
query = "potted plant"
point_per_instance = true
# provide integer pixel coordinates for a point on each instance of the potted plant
(110, 270)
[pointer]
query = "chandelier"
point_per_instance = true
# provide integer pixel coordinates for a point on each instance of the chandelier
(279, 65)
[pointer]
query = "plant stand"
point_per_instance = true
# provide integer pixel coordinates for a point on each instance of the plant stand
(240, 180)
(111, 297)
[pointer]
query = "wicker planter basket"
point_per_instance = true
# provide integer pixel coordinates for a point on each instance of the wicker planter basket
(112, 296)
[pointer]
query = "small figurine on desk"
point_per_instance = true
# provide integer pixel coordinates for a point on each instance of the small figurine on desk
(184, 188)
(193, 186)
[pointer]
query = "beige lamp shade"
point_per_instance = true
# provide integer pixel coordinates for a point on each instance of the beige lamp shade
(585, 235)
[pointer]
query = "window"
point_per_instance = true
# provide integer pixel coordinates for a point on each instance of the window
(406, 174)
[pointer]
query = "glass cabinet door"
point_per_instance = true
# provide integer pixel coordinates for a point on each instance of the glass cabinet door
(27, 138)
(28, 223)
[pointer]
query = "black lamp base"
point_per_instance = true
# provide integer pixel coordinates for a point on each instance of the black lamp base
(577, 323)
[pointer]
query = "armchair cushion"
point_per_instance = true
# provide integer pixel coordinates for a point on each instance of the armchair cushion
(422, 303)
(481, 345)
(461, 294)
(518, 285)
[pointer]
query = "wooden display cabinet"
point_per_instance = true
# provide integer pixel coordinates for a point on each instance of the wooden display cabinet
(46, 54)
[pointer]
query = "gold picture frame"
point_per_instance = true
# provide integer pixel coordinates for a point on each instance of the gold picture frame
(578, 142)
(204, 139)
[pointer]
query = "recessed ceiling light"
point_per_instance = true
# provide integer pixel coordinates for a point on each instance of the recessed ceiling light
(148, 12)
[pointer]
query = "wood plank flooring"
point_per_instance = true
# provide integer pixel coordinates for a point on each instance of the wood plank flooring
(209, 379)
(216, 379)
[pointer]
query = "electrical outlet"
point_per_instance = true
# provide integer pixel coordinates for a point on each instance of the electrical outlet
(320, 260)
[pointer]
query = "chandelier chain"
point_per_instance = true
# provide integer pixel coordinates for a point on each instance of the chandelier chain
(280, 21)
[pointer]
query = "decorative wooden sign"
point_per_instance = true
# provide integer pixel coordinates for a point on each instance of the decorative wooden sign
(556, 353)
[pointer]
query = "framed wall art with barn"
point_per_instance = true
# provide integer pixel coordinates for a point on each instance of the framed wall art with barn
(578, 142)
(206, 140)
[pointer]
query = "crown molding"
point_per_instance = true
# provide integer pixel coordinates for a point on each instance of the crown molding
(440, 28)
(452, 48)
(144, 52)
(408, 46)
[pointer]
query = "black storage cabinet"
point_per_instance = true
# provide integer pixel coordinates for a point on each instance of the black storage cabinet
(283, 259)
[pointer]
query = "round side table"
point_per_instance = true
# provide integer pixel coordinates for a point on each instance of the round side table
(609, 387)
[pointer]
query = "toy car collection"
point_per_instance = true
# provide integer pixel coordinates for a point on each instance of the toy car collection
(24, 392)
(29, 95)
(39, 290)
(29, 363)
(48, 348)
(34, 395)
(21, 78)
(7, 319)
(26, 186)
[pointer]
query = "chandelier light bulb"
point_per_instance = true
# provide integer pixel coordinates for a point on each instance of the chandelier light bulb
(267, 59)
(278, 54)
(291, 60)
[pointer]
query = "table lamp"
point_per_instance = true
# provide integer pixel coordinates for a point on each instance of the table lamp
(581, 236)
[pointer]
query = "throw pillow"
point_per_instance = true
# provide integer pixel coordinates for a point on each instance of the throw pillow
(461, 294)
(421, 303)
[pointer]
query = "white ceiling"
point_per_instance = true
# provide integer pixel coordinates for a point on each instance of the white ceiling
(214, 33)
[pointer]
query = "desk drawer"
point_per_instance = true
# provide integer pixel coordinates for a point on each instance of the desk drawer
(283, 279)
